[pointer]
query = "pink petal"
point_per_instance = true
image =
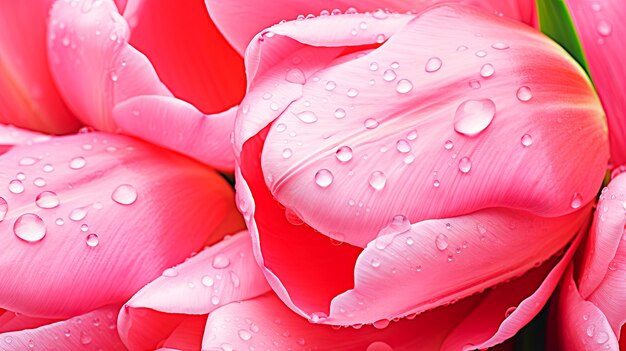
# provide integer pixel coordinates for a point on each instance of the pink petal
(94, 330)
(86, 185)
(505, 310)
(92, 62)
(221, 274)
(11, 136)
(28, 96)
(188, 334)
(580, 324)
(240, 21)
(299, 140)
(178, 125)
(265, 322)
(601, 28)
(189, 54)
(10, 321)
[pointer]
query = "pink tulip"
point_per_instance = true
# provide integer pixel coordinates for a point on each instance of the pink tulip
(601, 29)
(157, 70)
(86, 221)
(28, 96)
(391, 164)
(591, 311)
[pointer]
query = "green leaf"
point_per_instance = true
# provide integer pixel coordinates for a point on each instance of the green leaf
(556, 22)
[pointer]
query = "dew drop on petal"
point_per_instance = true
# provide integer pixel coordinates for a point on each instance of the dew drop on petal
(307, 116)
(487, 70)
(500, 46)
(474, 116)
(47, 199)
(403, 146)
(370, 123)
(28, 161)
(465, 164)
(92, 240)
(344, 154)
(220, 261)
(245, 335)
(29, 227)
(295, 75)
(404, 86)
(352, 92)
(47, 168)
(433, 64)
(527, 140)
(380, 38)
(330, 85)
(340, 113)
(4, 208)
(287, 153)
(377, 180)
(78, 214)
(16, 186)
(577, 201)
(509, 311)
(474, 84)
(324, 178)
(39, 182)
(381, 324)
(78, 163)
(389, 75)
(207, 281)
(373, 66)
(441, 241)
(170, 272)
(379, 346)
(124, 194)
(524, 94)
(604, 28)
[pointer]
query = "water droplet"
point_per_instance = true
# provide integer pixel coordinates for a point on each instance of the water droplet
(234, 278)
(602, 337)
(28, 161)
(59, 221)
(352, 92)
(344, 154)
(577, 201)
(324, 178)
(380, 38)
(379, 346)
(403, 146)
(408, 159)
(481, 53)
(389, 75)
(292, 217)
(29, 227)
(207, 281)
(77, 163)
(404, 86)
(340, 113)
(586, 316)
(215, 300)
(381, 324)
(441, 241)
(274, 106)
(412, 135)
(604, 28)
(487, 70)
(395, 65)
(448, 145)
(8, 339)
(500, 46)
(287, 153)
(16, 186)
(474, 116)
(509, 311)
(461, 48)
(433, 64)
(47, 168)
(524, 94)
(39, 182)
(245, 335)
(380, 14)
(170, 272)
(370, 123)
(84, 227)
(377, 180)
(465, 164)
(527, 140)
(295, 75)
(330, 85)
(78, 214)
(92, 240)
(221, 261)
(124, 194)
(307, 116)
(436, 183)
(4, 208)
(47, 199)
(474, 84)
(410, 241)
(591, 330)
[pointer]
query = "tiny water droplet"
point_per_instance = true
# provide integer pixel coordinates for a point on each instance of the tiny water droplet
(84, 227)
(487, 70)
(29, 227)
(474, 116)
(527, 140)
(441, 241)
(59, 221)
(373, 66)
(352, 92)
(344, 154)
(124, 194)
(221, 261)
(340, 113)
(47, 168)
(47, 199)
(245, 335)
(207, 281)
(380, 38)
(307, 116)
(465, 164)
(436, 183)
(389, 75)
(28, 161)
(433, 64)
(500, 46)
(480, 53)
(380, 14)
(602, 337)
(39, 182)
(170, 272)
(215, 300)
(474, 84)
(77, 163)
(324, 178)
(78, 214)
(16, 186)
(604, 28)
(287, 153)
(404, 86)
(92, 240)
(577, 201)
(448, 145)
(377, 180)
(524, 94)
(330, 85)
(370, 123)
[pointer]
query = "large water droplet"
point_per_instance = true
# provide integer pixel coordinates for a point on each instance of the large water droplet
(389, 75)
(370, 123)
(465, 164)
(295, 75)
(473, 116)
(4, 208)
(524, 94)
(433, 64)
(16, 186)
(404, 86)
(527, 140)
(29, 227)
(77, 163)
(221, 261)
(47, 199)
(577, 201)
(377, 180)
(441, 241)
(92, 240)
(403, 146)
(487, 70)
(124, 194)
(307, 116)
(324, 178)
(344, 154)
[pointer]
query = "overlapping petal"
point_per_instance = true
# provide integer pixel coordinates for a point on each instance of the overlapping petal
(447, 132)
(11, 136)
(93, 217)
(28, 96)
